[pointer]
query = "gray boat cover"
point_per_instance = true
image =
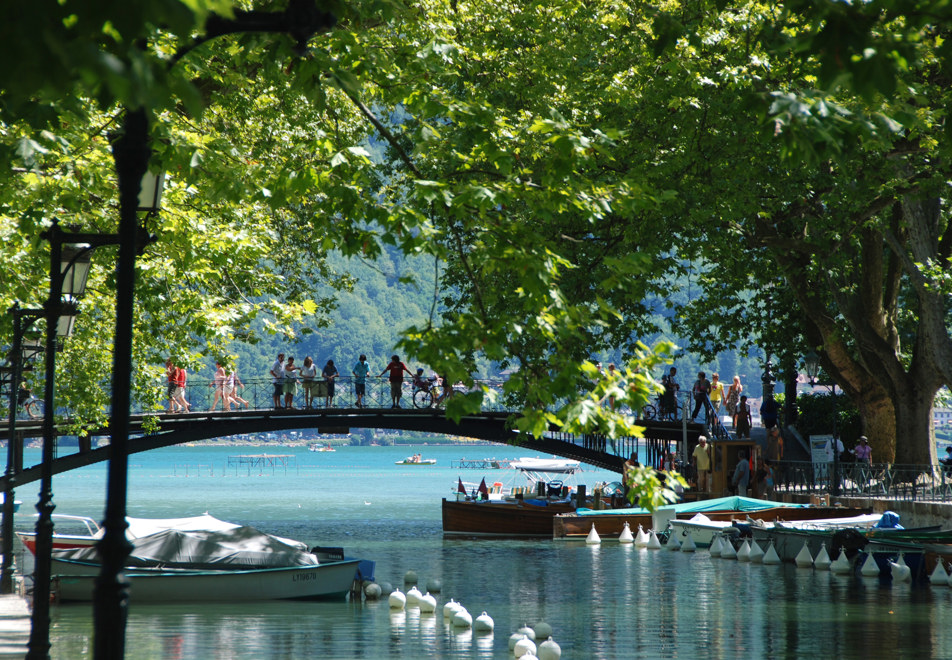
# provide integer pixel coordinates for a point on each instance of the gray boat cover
(239, 548)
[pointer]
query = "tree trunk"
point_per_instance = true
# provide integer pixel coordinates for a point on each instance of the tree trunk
(878, 417)
(914, 420)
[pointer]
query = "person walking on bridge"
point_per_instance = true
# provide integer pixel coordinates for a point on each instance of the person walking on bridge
(360, 371)
(396, 369)
(218, 382)
(180, 379)
(277, 379)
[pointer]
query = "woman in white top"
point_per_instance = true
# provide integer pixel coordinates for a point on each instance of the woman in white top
(308, 373)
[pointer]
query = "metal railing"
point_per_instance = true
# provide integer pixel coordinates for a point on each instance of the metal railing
(857, 479)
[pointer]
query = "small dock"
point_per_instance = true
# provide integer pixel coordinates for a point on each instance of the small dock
(14, 626)
(482, 463)
(262, 462)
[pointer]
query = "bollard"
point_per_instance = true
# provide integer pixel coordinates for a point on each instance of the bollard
(580, 496)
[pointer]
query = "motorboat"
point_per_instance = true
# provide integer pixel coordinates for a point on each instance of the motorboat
(411, 460)
(321, 448)
(230, 563)
(523, 511)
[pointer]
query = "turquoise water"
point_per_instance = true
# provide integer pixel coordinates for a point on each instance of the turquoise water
(607, 601)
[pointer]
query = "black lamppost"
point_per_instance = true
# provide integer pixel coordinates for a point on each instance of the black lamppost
(811, 362)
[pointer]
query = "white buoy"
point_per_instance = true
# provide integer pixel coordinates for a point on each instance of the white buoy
(653, 542)
(527, 631)
(744, 553)
(484, 623)
(513, 638)
(804, 558)
(428, 602)
(434, 585)
(397, 600)
(593, 538)
(870, 568)
(450, 608)
(542, 630)
(822, 560)
(841, 565)
(771, 558)
(689, 545)
(673, 543)
(372, 591)
(900, 571)
(641, 538)
(756, 554)
(462, 619)
(727, 549)
(549, 650)
(413, 597)
(410, 577)
(939, 577)
(625, 536)
(524, 646)
(715, 548)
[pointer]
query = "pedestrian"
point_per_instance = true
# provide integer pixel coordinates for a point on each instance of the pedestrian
(181, 379)
(701, 391)
(396, 368)
(774, 445)
(27, 401)
(330, 375)
(741, 477)
(290, 383)
(769, 480)
(743, 419)
(628, 473)
(717, 393)
(218, 382)
(733, 398)
(277, 379)
(769, 412)
(170, 375)
(308, 373)
(760, 480)
(701, 458)
(232, 383)
(360, 371)
(864, 453)
(669, 399)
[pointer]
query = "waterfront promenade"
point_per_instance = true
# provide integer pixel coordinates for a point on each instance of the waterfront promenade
(14, 626)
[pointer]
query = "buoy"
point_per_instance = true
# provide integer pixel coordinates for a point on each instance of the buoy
(756, 554)
(527, 631)
(434, 585)
(870, 568)
(841, 565)
(372, 591)
(524, 646)
(715, 548)
(727, 549)
(625, 536)
(653, 542)
(939, 577)
(513, 638)
(428, 602)
(593, 538)
(900, 571)
(484, 623)
(673, 543)
(397, 600)
(413, 597)
(744, 553)
(462, 619)
(771, 558)
(410, 577)
(689, 545)
(822, 560)
(450, 608)
(804, 558)
(549, 650)
(641, 538)
(386, 588)
(542, 630)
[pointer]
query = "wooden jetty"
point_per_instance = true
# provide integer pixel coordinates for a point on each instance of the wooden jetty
(482, 463)
(262, 462)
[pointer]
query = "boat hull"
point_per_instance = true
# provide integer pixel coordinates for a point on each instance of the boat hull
(500, 519)
(74, 581)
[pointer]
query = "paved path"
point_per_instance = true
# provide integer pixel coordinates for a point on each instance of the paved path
(14, 626)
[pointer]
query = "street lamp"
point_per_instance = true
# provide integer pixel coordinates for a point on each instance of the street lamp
(811, 362)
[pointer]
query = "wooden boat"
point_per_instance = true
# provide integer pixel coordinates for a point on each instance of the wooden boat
(519, 515)
(610, 523)
(74, 581)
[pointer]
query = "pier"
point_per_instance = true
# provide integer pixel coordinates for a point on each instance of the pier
(262, 462)
(482, 463)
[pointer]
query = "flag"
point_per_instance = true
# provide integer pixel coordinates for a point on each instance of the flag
(483, 490)
(461, 488)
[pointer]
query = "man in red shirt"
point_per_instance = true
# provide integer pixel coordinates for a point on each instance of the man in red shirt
(396, 369)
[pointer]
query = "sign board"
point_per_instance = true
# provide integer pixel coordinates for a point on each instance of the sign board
(821, 453)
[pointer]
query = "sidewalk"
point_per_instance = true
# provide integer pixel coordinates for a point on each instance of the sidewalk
(14, 626)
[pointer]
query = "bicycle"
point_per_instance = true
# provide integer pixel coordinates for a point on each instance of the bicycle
(660, 412)
(428, 395)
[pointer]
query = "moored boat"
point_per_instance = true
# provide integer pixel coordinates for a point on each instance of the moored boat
(416, 460)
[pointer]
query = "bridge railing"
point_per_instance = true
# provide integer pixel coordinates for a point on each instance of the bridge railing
(858, 479)
(258, 394)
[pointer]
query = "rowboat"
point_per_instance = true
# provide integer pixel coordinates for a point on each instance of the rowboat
(240, 563)
(526, 512)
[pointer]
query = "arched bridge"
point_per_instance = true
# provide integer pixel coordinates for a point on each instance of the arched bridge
(493, 426)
